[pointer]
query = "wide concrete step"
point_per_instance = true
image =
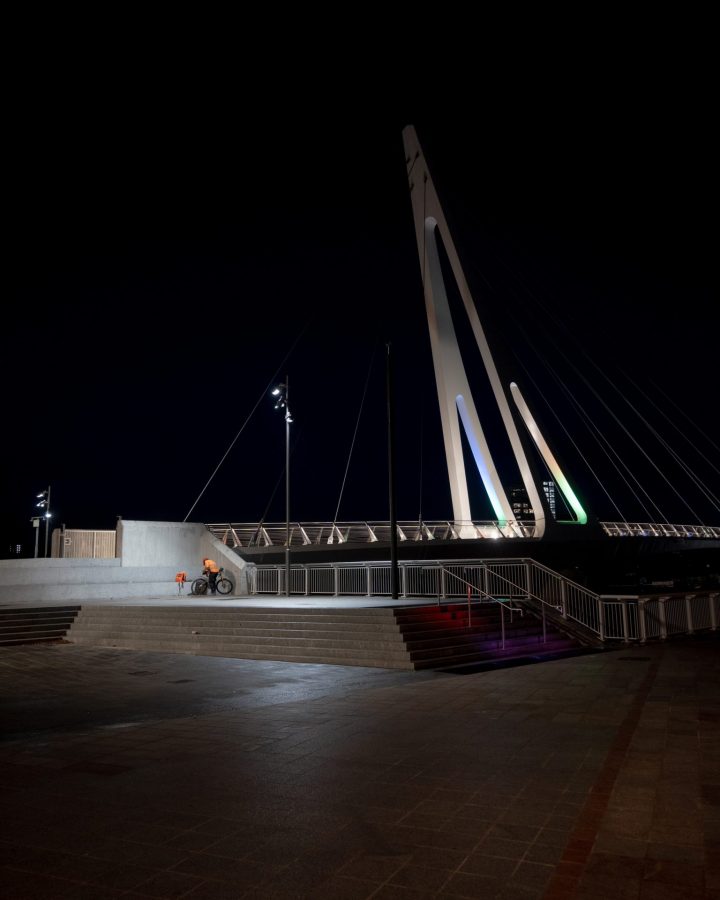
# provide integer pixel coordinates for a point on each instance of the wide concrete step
(268, 639)
(429, 611)
(426, 624)
(43, 624)
(461, 638)
(15, 611)
(239, 620)
(7, 624)
(374, 656)
(32, 636)
(526, 646)
(238, 628)
(174, 608)
(497, 653)
(32, 625)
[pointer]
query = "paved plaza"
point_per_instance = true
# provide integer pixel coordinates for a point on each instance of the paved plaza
(128, 774)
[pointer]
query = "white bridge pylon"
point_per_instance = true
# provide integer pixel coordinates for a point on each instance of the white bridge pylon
(454, 393)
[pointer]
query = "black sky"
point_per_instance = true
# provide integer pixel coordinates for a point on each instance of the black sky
(163, 262)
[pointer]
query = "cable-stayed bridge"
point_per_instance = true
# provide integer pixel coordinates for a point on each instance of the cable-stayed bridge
(498, 444)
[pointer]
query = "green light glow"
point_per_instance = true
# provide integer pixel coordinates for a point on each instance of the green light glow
(552, 463)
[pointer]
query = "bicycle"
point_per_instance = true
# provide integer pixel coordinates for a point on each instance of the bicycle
(223, 585)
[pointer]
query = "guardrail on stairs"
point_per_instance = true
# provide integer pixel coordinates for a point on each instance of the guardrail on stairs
(590, 616)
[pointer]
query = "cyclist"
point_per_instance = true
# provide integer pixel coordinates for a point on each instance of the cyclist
(212, 570)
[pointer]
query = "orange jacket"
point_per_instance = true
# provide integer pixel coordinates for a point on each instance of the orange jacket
(209, 565)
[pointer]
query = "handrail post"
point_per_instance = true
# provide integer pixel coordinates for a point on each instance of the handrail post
(641, 620)
(307, 580)
(367, 574)
(544, 628)
(661, 617)
(563, 597)
(626, 636)
(601, 619)
(502, 623)
(688, 612)
(713, 598)
(443, 592)
(335, 580)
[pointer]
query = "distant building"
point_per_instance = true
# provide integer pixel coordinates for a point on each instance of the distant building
(520, 505)
(549, 488)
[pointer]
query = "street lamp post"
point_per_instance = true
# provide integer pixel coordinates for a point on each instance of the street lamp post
(280, 393)
(44, 498)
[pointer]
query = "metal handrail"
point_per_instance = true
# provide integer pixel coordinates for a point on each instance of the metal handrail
(586, 614)
(492, 599)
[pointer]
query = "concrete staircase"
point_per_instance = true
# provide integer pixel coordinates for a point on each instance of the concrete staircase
(408, 638)
(35, 625)
(443, 637)
(351, 637)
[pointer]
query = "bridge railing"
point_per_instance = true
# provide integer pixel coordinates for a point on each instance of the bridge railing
(303, 534)
(605, 618)
(642, 618)
(659, 529)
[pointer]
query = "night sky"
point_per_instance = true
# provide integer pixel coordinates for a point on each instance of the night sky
(162, 267)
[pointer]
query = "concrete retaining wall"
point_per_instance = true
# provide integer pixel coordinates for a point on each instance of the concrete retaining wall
(149, 555)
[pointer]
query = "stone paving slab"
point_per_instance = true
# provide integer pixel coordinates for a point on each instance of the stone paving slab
(129, 774)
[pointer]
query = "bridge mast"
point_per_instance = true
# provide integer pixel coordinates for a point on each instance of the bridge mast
(454, 393)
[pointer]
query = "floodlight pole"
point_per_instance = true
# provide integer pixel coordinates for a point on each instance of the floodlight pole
(391, 477)
(280, 392)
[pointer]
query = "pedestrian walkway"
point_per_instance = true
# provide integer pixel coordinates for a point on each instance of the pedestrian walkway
(129, 774)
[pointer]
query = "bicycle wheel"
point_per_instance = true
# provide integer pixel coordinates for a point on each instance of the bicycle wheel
(224, 586)
(200, 586)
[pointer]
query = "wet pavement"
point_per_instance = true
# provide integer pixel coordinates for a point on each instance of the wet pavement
(128, 774)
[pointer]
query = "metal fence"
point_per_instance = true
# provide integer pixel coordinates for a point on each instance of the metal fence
(605, 617)
(75, 543)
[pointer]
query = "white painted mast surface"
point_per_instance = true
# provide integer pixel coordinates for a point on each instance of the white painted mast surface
(454, 393)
